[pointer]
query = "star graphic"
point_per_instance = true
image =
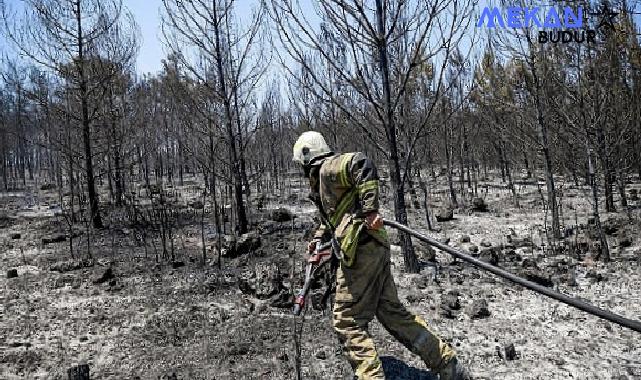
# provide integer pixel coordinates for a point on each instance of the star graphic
(607, 17)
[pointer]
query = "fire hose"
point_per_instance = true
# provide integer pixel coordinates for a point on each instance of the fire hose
(581, 305)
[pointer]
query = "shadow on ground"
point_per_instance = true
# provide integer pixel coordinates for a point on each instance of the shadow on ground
(398, 370)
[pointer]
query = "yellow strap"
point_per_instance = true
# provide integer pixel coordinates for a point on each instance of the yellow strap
(350, 242)
(348, 198)
(346, 201)
(344, 170)
(367, 186)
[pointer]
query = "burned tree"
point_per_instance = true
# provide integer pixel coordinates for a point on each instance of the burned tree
(66, 37)
(377, 81)
(229, 62)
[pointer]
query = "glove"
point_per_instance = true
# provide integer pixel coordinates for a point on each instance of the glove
(311, 246)
(373, 221)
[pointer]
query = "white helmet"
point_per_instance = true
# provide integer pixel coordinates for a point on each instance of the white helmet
(309, 146)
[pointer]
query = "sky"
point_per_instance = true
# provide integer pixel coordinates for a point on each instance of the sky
(147, 16)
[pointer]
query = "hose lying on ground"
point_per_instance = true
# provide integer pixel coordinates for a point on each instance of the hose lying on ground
(588, 308)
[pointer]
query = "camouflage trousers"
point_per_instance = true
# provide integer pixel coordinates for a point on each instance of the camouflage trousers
(366, 290)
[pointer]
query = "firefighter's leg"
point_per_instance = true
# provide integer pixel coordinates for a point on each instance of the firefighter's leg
(409, 329)
(357, 293)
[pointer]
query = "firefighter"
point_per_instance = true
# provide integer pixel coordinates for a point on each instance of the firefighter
(345, 188)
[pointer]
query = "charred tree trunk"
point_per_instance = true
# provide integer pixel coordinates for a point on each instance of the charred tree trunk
(608, 180)
(547, 157)
(605, 251)
(181, 162)
(5, 179)
(118, 178)
(461, 167)
(549, 180)
(110, 177)
(94, 206)
(233, 154)
(72, 190)
(212, 186)
(400, 211)
(621, 180)
(527, 166)
(499, 152)
(639, 159)
(423, 186)
(448, 158)
(508, 174)
(80, 372)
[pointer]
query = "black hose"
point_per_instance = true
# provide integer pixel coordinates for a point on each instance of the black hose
(588, 308)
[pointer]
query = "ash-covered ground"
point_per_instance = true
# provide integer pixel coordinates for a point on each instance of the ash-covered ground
(128, 310)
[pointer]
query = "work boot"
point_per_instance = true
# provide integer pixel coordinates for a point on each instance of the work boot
(454, 371)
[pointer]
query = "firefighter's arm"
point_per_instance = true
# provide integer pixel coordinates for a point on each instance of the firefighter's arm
(364, 176)
(322, 228)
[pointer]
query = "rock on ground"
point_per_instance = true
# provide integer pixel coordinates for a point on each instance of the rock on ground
(478, 204)
(444, 214)
(262, 282)
(281, 215)
(479, 309)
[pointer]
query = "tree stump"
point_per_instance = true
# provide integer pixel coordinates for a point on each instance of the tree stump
(444, 214)
(80, 372)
